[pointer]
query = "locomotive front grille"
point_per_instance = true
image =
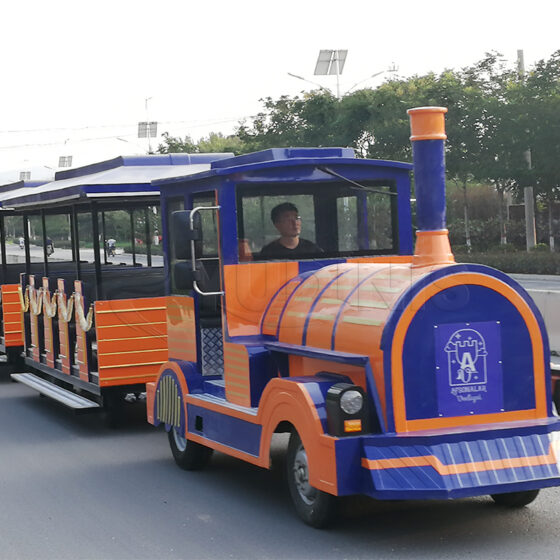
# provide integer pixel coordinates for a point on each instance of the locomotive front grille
(168, 402)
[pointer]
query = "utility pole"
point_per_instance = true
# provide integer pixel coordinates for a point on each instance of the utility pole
(530, 230)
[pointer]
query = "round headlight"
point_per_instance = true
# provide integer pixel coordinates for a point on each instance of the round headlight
(351, 401)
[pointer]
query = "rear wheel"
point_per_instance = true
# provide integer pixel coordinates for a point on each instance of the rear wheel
(314, 506)
(189, 455)
(515, 499)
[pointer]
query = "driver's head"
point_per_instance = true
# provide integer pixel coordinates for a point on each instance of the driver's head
(286, 219)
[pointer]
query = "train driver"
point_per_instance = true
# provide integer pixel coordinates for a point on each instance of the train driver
(287, 221)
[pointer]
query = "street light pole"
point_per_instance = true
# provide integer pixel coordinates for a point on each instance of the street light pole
(310, 82)
(392, 68)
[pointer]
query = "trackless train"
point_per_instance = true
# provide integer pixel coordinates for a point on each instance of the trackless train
(293, 300)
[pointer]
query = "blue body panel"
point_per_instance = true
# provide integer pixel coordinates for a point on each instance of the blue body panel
(226, 430)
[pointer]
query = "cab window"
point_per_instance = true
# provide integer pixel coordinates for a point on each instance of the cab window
(333, 220)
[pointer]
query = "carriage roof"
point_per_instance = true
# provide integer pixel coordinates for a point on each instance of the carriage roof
(122, 176)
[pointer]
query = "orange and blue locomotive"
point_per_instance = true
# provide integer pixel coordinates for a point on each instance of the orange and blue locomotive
(399, 373)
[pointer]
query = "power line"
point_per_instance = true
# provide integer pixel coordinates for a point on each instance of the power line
(193, 124)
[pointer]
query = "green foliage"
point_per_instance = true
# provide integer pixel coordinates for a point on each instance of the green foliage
(215, 142)
(495, 118)
(541, 248)
(515, 262)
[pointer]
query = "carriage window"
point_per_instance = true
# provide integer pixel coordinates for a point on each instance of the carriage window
(35, 232)
(317, 220)
(58, 235)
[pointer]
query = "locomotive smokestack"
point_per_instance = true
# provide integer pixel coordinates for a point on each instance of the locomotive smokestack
(427, 125)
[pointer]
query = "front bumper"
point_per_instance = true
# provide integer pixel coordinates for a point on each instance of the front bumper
(438, 465)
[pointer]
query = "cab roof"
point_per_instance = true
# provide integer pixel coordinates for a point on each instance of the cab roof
(284, 157)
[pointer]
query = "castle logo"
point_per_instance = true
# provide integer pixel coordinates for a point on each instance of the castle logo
(466, 357)
(468, 368)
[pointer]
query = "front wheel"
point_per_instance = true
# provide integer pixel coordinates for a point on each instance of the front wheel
(515, 499)
(314, 506)
(189, 455)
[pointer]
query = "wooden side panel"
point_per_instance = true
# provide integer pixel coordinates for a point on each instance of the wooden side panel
(12, 315)
(236, 374)
(249, 289)
(181, 328)
(63, 331)
(131, 340)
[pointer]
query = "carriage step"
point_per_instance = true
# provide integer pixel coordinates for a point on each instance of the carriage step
(63, 396)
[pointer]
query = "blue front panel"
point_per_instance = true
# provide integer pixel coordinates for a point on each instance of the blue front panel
(227, 430)
(463, 468)
(508, 385)
(469, 368)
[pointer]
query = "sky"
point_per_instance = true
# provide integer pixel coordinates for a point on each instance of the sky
(78, 76)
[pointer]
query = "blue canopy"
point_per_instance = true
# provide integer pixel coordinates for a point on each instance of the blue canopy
(122, 176)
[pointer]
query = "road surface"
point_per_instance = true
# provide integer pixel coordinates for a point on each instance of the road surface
(71, 488)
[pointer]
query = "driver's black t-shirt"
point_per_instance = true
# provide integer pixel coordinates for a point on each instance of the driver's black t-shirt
(276, 249)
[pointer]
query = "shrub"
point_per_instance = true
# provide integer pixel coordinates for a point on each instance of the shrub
(519, 262)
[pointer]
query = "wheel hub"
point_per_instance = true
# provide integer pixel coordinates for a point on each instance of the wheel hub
(301, 476)
(180, 441)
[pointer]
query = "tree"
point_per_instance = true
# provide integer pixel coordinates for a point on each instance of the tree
(215, 142)
(175, 145)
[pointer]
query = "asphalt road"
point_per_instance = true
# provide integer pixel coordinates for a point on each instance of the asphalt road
(71, 488)
(538, 281)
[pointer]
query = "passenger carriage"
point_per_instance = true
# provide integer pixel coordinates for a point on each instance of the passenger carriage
(398, 373)
(94, 320)
(12, 259)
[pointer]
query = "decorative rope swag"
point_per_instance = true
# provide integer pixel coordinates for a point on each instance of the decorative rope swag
(38, 300)
(49, 306)
(66, 308)
(85, 322)
(24, 301)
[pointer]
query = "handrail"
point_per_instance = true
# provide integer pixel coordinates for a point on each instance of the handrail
(193, 257)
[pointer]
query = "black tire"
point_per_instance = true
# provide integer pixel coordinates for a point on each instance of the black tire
(315, 507)
(189, 455)
(515, 499)
(113, 404)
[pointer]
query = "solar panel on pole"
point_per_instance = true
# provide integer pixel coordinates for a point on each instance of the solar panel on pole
(331, 63)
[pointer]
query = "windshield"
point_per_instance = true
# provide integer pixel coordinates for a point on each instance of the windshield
(317, 220)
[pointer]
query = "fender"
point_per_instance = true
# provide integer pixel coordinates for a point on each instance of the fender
(301, 402)
(185, 375)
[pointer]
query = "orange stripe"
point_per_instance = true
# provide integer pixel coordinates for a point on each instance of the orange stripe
(399, 406)
(461, 468)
